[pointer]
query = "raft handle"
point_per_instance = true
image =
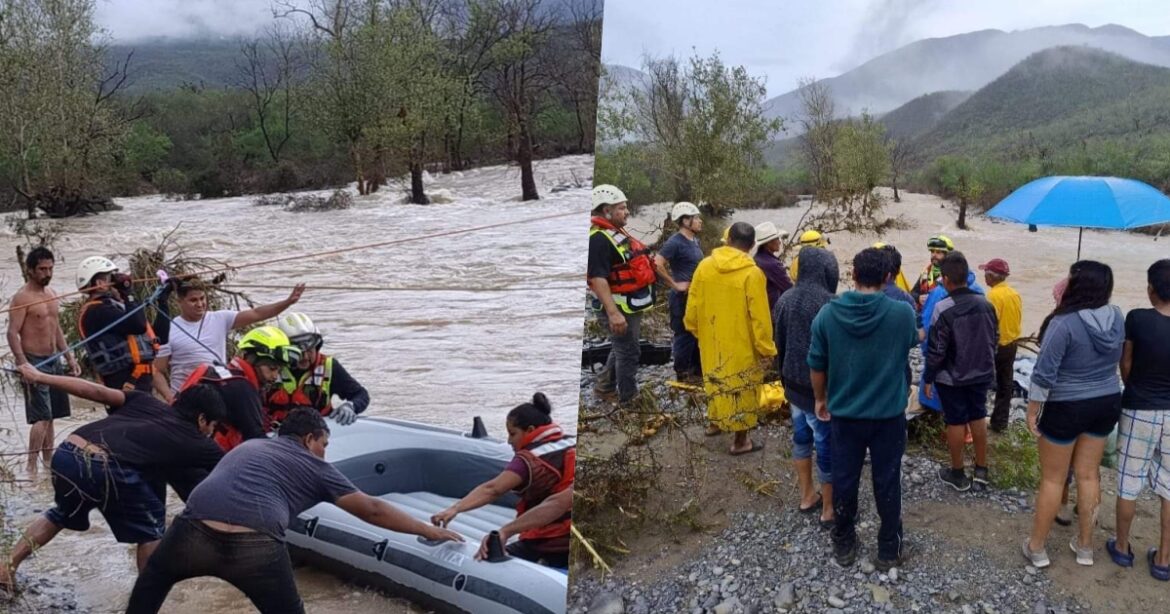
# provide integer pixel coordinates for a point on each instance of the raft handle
(311, 526)
(478, 430)
(380, 549)
(429, 542)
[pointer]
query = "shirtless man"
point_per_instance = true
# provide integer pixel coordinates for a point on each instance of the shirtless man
(34, 334)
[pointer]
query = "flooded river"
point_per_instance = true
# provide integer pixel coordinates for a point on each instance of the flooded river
(428, 354)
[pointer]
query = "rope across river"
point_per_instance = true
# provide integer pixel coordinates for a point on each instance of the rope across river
(332, 252)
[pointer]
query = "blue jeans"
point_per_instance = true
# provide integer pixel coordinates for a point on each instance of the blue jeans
(807, 431)
(685, 347)
(130, 503)
(621, 368)
(886, 442)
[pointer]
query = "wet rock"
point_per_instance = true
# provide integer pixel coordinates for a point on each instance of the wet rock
(867, 567)
(836, 601)
(786, 598)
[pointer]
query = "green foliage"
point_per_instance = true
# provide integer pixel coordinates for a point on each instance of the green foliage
(145, 149)
(700, 128)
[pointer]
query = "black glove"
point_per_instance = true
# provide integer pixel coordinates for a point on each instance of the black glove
(123, 284)
(168, 287)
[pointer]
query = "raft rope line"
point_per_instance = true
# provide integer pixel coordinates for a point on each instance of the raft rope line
(331, 252)
(149, 301)
(408, 288)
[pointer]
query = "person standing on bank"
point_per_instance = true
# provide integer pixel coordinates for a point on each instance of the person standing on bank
(768, 239)
(676, 263)
(1009, 310)
(1076, 382)
(621, 277)
(728, 312)
(960, 367)
(34, 334)
(792, 321)
(860, 347)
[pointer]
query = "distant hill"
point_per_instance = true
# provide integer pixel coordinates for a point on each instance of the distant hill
(1059, 97)
(964, 62)
(167, 63)
(921, 114)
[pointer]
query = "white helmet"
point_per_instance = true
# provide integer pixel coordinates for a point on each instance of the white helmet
(299, 328)
(92, 266)
(683, 209)
(606, 194)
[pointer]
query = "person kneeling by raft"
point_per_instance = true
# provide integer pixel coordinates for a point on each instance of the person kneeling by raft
(234, 525)
(313, 380)
(544, 465)
(120, 464)
(263, 353)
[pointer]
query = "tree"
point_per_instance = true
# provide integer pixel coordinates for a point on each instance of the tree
(59, 130)
(702, 126)
(957, 176)
(268, 70)
(901, 152)
(521, 75)
(847, 159)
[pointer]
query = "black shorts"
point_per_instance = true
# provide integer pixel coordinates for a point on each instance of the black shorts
(962, 404)
(42, 403)
(129, 502)
(1061, 422)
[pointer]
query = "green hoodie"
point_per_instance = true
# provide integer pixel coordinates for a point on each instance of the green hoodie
(863, 341)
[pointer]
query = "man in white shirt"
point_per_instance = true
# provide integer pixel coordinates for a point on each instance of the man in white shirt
(182, 354)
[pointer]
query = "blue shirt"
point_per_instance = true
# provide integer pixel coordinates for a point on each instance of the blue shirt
(683, 255)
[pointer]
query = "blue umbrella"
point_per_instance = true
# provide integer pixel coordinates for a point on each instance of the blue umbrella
(1085, 202)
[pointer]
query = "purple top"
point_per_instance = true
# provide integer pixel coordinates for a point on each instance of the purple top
(778, 282)
(519, 467)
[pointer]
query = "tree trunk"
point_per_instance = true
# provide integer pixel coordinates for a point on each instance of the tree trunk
(417, 194)
(962, 214)
(524, 157)
(580, 128)
(897, 198)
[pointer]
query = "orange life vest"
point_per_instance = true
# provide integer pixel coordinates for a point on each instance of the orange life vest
(226, 435)
(637, 269)
(109, 353)
(551, 458)
(312, 389)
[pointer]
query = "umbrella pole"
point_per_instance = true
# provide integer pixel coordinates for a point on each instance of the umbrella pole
(1080, 233)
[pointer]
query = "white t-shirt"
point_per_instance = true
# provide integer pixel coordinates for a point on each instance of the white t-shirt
(212, 331)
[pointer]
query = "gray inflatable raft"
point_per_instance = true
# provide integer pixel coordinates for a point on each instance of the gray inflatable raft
(422, 470)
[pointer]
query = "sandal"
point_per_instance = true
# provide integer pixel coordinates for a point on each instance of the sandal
(1158, 572)
(756, 447)
(1122, 559)
(812, 508)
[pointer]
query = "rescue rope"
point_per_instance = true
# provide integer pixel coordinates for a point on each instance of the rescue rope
(149, 301)
(332, 252)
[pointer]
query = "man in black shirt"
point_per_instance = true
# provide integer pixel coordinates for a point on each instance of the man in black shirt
(621, 277)
(123, 356)
(120, 464)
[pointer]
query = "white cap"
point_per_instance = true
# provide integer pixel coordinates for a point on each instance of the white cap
(767, 231)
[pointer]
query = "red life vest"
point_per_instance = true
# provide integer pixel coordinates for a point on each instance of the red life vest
(637, 269)
(551, 458)
(312, 389)
(226, 435)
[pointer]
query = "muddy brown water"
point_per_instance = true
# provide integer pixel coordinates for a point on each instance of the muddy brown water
(440, 357)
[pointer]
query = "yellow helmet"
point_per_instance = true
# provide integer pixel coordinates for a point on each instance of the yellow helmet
(878, 245)
(814, 238)
(940, 243)
(269, 342)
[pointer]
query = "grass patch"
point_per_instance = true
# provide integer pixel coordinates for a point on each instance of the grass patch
(1014, 459)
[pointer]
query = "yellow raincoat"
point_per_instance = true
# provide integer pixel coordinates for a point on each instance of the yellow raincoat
(727, 310)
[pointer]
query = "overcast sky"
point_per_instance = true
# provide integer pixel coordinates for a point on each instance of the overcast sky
(786, 40)
(129, 20)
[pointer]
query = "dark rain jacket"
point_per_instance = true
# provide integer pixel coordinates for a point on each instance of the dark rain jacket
(963, 339)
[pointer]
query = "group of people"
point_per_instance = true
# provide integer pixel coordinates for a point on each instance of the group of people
(739, 317)
(181, 413)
